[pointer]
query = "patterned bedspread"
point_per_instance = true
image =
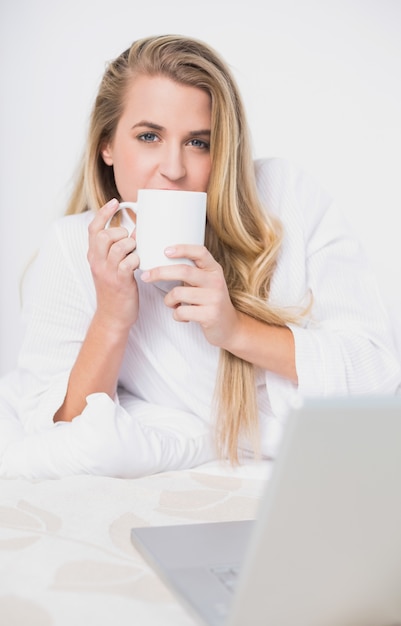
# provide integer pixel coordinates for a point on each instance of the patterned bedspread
(65, 553)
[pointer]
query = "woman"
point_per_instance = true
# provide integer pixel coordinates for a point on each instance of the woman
(116, 376)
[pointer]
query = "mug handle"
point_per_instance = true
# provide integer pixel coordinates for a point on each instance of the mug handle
(123, 205)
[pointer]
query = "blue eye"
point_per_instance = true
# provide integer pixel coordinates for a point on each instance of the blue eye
(148, 137)
(198, 143)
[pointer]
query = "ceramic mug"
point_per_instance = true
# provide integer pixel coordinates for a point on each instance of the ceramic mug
(164, 218)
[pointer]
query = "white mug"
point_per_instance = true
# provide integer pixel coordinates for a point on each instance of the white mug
(164, 218)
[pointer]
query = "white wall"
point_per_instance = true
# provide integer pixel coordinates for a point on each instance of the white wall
(321, 81)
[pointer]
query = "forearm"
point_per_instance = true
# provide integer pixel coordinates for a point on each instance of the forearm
(266, 346)
(96, 368)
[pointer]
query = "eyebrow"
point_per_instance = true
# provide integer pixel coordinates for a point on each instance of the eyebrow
(149, 125)
(192, 133)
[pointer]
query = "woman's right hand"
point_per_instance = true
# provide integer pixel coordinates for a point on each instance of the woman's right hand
(112, 260)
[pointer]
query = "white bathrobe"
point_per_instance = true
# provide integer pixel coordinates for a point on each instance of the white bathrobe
(161, 418)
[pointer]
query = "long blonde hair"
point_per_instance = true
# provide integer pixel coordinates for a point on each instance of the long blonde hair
(240, 234)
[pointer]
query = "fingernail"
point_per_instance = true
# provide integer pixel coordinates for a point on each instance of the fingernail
(145, 276)
(169, 251)
(112, 203)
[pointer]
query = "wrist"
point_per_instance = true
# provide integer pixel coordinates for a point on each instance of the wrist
(236, 340)
(109, 328)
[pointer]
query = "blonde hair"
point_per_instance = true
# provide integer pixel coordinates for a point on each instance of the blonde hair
(240, 234)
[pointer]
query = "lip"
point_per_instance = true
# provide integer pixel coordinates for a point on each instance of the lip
(169, 189)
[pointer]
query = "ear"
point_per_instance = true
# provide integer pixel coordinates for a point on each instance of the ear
(107, 154)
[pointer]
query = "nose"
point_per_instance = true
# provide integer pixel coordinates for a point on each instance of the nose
(172, 165)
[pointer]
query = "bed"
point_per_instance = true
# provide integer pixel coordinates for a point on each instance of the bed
(65, 551)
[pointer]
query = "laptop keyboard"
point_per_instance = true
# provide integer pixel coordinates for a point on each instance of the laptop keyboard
(228, 575)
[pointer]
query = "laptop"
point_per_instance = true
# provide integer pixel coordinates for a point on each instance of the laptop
(325, 549)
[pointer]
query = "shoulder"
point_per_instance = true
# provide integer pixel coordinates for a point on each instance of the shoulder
(289, 191)
(69, 232)
(273, 168)
(274, 172)
(72, 224)
(65, 242)
(277, 176)
(61, 253)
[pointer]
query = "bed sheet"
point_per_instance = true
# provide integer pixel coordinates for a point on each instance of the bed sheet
(65, 551)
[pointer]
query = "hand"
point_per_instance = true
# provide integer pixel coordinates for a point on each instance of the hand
(203, 297)
(112, 261)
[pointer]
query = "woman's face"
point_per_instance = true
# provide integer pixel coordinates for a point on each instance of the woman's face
(162, 140)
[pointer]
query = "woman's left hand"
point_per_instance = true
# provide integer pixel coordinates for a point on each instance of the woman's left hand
(203, 297)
